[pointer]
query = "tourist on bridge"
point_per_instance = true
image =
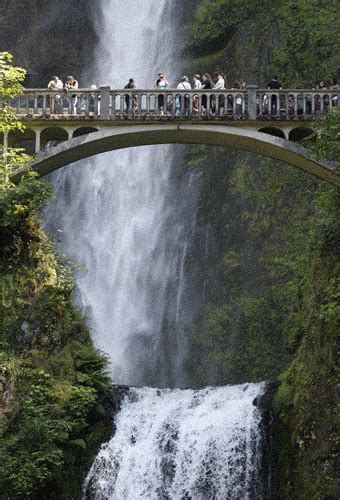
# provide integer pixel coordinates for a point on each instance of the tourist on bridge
(274, 84)
(130, 85)
(55, 83)
(322, 86)
(55, 100)
(72, 84)
(334, 87)
(197, 85)
(161, 83)
(221, 81)
(220, 85)
(206, 84)
(183, 85)
(238, 98)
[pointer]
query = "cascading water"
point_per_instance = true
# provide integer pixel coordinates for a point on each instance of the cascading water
(128, 218)
(182, 444)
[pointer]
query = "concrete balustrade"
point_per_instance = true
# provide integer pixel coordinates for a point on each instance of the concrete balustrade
(230, 104)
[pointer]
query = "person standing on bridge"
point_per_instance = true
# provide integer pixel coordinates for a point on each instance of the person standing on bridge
(220, 85)
(72, 84)
(207, 84)
(55, 100)
(129, 85)
(274, 84)
(161, 83)
(183, 85)
(197, 85)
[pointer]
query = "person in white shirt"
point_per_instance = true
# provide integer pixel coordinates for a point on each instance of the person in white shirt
(183, 85)
(55, 100)
(238, 98)
(197, 82)
(197, 86)
(162, 84)
(55, 84)
(220, 85)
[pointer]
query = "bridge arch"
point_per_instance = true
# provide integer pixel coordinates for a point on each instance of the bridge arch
(125, 136)
(83, 131)
(299, 133)
(54, 135)
(23, 139)
(274, 131)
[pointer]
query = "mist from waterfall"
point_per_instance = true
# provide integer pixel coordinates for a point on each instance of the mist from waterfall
(127, 216)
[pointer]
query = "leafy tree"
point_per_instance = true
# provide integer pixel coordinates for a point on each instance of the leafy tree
(11, 79)
(29, 194)
(325, 141)
(308, 48)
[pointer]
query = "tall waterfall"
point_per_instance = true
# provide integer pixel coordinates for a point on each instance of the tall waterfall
(128, 218)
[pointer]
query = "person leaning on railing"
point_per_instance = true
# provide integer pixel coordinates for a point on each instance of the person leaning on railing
(72, 84)
(55, 100)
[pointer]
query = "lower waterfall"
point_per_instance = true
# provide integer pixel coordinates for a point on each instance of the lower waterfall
(183, 444)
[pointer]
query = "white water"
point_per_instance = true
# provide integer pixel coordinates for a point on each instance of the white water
(126, 216)
(176, 444)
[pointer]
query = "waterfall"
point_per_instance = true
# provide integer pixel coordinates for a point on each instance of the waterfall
(176, 444)
(128, 218)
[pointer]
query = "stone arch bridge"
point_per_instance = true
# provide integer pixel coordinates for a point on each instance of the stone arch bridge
(63, 128)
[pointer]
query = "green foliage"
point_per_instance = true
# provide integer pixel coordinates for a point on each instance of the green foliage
(325, 141)
(53, 383)
(216, 22)
(11, 79)
(308, 48)
(255, 39)
(50, 417)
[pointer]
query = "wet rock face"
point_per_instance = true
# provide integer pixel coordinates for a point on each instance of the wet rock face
(50, 37)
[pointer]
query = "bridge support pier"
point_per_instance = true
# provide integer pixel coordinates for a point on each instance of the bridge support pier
(252, 102)
(105, 102)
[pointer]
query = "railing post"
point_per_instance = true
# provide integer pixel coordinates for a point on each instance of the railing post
(252, 107)
(37, 140)
(104, 102)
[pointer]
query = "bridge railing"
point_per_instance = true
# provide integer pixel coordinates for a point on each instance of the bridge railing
(294, 104)
(172, 104)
